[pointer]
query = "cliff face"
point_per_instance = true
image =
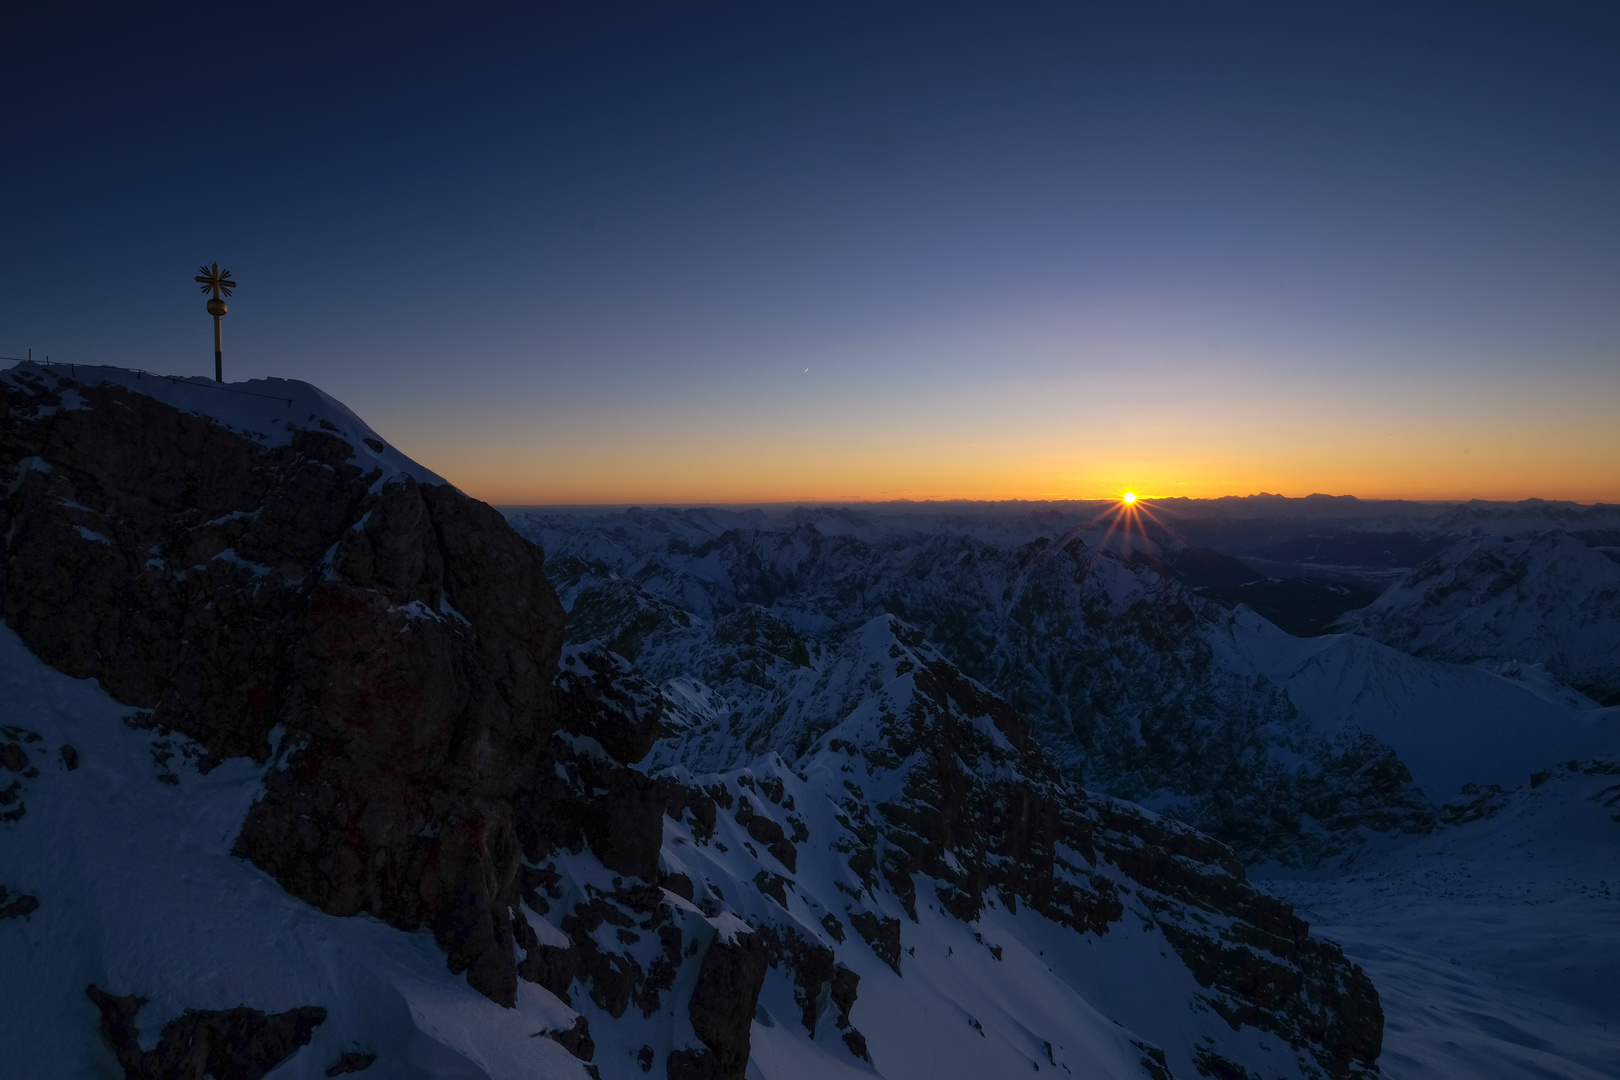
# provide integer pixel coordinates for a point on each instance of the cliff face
(391, 642)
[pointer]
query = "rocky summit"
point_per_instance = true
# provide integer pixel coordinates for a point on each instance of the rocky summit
(308, 774)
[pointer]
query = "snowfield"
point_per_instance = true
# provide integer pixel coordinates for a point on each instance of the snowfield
(138, 893)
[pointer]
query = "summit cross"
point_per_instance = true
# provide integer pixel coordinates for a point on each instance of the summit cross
(219, 283)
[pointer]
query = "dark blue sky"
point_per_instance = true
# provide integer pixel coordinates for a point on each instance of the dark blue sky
(586, 253)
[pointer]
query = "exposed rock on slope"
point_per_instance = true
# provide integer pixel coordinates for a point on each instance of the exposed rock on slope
(1541, 598)
(919, 838)
(1289, 750)
(1129, 680)
(240, 1043)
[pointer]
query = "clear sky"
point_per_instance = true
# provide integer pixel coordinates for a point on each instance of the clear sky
(779, 251)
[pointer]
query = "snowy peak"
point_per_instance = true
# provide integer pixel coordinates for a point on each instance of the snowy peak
(269, 412)
(924, 842)
(1292, 750)
(1539, 598)
(1450, 725)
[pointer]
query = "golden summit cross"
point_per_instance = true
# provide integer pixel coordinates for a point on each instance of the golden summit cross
(219, 283)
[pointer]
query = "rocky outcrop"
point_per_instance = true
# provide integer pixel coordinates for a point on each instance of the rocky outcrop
(16, 905)
(14, 759)
(604, 698)
(722, 1008)
(239, 1043)
(399, 638)
(1012, 828)
(351, 1061)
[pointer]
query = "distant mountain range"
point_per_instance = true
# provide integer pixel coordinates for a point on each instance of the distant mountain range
(1340, 768)
(1135, 684)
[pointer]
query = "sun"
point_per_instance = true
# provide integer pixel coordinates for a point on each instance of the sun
(1129, 497)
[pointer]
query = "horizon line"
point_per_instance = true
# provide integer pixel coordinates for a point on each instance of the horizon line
(846, 503)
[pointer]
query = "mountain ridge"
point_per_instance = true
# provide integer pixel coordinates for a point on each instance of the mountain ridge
(1134, 683)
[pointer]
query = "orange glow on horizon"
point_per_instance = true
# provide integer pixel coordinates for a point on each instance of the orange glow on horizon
(699, 476)
(1033, 446)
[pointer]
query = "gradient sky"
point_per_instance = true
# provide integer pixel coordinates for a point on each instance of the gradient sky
(771, 251)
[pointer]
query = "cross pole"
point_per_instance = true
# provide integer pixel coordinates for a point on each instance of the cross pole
(219, 283)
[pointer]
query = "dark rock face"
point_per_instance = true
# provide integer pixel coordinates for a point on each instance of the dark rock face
(351, 1061)
(844, 985)
(420, 730)
(14, 759)
(16, 905)
(604, 698)
(594, 800)
(722, 1008)
(576, 1040)
(401, 635)
(722, 1003)
(814, 969)
(229, 1044)
(12, 807)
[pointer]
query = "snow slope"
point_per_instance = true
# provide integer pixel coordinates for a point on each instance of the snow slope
(1494, 942)
(138, 893)
(1533, 598)
(266, 411)
(1451, 725)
